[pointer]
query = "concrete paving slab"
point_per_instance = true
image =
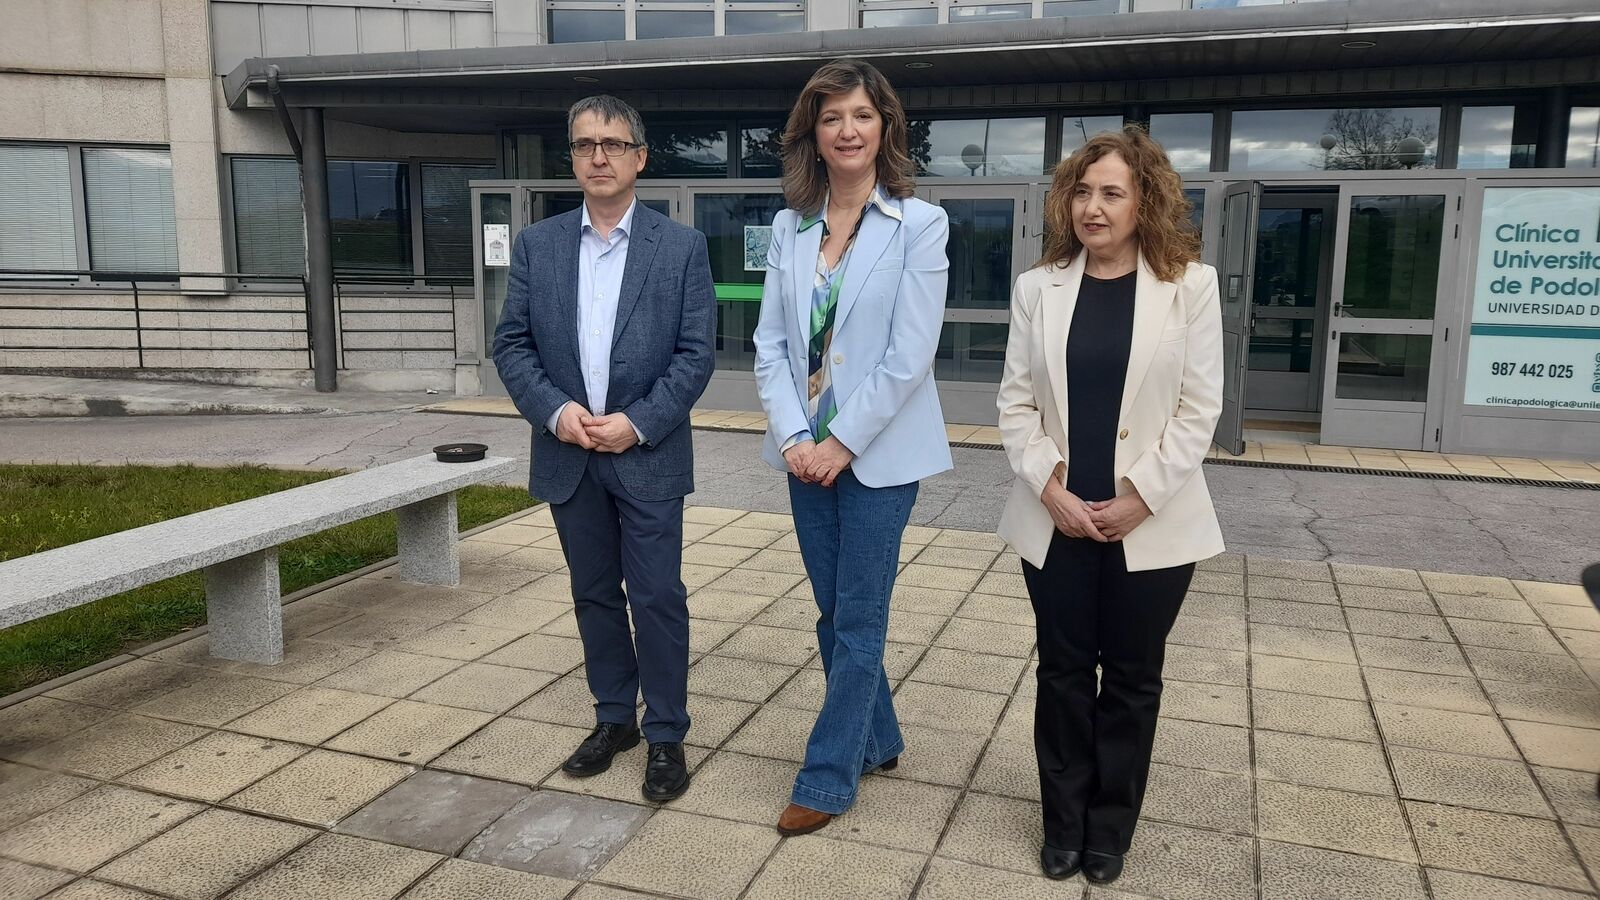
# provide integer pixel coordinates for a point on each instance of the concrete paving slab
(457, 878)
(214, 767)
(320, 788)
(84, 833)
(436, 811)
(207, 855)
(336, 865)
(558, 835)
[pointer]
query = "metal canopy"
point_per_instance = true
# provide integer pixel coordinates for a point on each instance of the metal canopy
(466, 87)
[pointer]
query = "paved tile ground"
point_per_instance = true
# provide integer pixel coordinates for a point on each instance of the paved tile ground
(1329, 731)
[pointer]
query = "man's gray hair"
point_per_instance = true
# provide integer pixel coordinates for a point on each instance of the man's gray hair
(610, 109)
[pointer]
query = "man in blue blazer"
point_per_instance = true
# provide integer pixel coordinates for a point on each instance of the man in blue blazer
(605, 345)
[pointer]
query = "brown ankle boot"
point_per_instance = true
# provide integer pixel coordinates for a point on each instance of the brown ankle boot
(797, 820)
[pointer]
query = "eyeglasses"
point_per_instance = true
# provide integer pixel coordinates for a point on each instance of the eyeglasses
(585, 149)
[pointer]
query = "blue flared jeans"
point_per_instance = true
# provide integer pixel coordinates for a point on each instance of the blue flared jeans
(850, 540)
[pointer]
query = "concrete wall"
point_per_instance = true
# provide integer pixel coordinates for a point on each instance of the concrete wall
(122, 36)
(242, 29)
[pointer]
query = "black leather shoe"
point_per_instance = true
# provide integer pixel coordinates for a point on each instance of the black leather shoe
(593, 756)
(666, 776)
(1059, 865)
(1101, 868)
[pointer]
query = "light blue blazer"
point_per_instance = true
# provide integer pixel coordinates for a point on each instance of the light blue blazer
(886, 329)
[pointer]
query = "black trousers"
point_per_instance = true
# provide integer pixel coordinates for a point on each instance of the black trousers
(1094, 748)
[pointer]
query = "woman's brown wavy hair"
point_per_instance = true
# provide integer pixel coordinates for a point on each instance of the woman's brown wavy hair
(1166, 237)
(805, 177)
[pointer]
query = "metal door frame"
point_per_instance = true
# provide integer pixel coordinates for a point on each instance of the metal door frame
(1328, 202)
(965, 400)
(1230, 424)
(1343, 420)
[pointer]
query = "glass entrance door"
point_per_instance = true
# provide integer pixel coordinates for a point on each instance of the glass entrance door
(987, 248)
(1236, 269)
(1294, 256)
(514, 207)
(1394, 259)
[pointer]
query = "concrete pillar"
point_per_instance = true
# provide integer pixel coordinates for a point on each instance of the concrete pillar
(319, 251)
(244, 610)
(429, 550)
(1555, 117)
(192, 135)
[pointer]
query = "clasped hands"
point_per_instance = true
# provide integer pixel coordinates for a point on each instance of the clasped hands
(1103, 520)
(815, 463)
(607, 434)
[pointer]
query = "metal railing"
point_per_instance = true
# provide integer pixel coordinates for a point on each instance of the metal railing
(142, 337)
(139, 285)
(356, 283)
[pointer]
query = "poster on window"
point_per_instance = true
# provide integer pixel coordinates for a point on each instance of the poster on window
(1535, 340)
(757, 241)
(497, 245)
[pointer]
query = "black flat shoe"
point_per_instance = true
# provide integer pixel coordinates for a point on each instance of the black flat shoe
(888, 765)
(1059, 865)
(666, 775)
(1101, 868)
(593, 756)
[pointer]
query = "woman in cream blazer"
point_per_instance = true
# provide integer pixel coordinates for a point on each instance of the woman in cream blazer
(1111, 393)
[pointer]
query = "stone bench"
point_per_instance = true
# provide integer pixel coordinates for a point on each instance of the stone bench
(237, 545)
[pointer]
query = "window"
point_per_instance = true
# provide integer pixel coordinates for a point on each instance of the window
(579, 25)
(991, 12)
(369, 204)
(268, 220)
(747, 19)
(37, 226)
(1291, 140)
(661, 22)
(1186, 137)
(889, 18)
(128, 197)
(733, 224)
(447, 217)
(679, 150)
(761, 151)
(1583, 138)
(976, 147)
(1055, 8)
(1497, 137)
(1076, 130)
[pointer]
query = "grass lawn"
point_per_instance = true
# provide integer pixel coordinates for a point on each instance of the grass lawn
(42, 507)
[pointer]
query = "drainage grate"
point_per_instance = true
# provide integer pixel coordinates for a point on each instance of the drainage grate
(1401, 473)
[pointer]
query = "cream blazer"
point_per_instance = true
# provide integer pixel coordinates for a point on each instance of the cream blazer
(1171, 399)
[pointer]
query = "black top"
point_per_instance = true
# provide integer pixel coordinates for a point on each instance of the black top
(1097, 365)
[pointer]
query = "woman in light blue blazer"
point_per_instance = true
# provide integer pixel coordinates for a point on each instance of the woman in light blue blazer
(850, 317)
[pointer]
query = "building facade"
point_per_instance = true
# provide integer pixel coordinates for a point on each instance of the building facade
(1403, 199)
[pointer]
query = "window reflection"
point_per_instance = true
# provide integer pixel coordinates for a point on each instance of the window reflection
(761, 152)
(970, 351)
(1384, 367)
(652, 23)
(1583, 138)
(730, 222)
(1287, 140)
(369, 208)
(759, 21)
(1496, 137)
(686, 151)
(1055, 8)
(889, 18)
(991, 12)
(1076, 130)
(577, 25)
(1186, 137)
(978, 147)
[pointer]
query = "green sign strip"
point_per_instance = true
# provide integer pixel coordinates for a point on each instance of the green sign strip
(1571, 332)
(745, 293)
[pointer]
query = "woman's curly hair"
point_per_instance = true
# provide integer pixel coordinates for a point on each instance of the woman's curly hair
(1167, 238)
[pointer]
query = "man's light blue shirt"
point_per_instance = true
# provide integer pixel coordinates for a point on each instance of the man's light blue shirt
(601, 261)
